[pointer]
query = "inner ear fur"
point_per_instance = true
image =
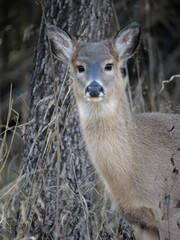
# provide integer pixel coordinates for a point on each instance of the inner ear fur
(62, 44)
(127, 39)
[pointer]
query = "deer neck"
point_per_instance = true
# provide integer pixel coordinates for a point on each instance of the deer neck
(108, 131)
(111, 116)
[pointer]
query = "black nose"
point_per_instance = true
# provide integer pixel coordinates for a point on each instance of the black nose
(94, 89)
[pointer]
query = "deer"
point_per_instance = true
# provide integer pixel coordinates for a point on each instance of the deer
(137, 155)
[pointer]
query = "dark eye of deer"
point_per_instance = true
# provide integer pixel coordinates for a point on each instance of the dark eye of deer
(108, 67)
(80, 68)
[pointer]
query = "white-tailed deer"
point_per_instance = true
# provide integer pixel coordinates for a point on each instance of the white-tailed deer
(136, 155)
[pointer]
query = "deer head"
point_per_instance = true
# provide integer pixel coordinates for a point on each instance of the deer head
(95, 65)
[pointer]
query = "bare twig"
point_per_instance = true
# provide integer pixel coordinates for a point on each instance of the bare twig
(168, 81)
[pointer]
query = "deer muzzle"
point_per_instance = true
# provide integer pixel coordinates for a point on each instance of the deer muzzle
(94, 90)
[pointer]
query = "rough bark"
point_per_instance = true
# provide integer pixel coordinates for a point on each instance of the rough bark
(61, 194)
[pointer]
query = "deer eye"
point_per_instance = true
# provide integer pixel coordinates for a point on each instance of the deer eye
(108, 67)
(80, 68)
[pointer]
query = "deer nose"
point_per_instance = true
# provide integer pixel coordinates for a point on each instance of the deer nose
(94, 89)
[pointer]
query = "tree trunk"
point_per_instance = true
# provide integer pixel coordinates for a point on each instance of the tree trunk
(62, 196)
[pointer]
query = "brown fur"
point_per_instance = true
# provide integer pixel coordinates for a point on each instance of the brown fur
(136, 155)
(132, 153)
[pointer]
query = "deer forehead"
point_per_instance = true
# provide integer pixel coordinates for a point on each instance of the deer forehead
(98, 52)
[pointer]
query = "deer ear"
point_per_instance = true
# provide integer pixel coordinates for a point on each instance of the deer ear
(61, 43)
(126, 40)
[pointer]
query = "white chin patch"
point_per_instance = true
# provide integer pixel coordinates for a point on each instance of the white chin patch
(94, 99)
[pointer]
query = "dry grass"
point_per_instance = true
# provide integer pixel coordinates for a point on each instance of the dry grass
(99, 211)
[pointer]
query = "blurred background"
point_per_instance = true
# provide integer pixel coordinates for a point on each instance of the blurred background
(157, 60)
